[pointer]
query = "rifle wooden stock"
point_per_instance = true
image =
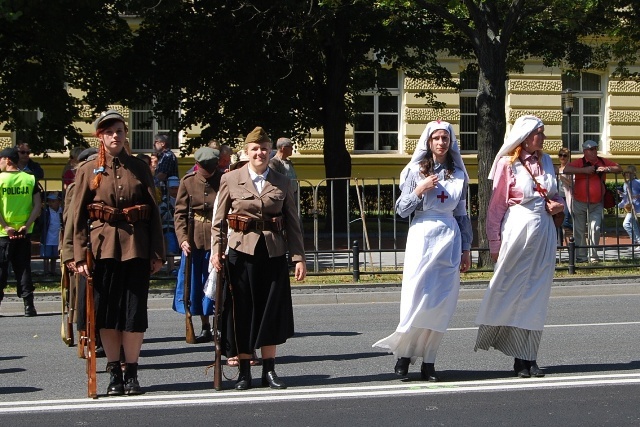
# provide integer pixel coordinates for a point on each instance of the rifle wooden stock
(220, 283)
(90, 324)
(190, 334)
(66, 327)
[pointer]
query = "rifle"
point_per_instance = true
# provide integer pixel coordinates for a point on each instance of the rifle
(217, 314)
(190, 334)
(66, 328)
(90, 338)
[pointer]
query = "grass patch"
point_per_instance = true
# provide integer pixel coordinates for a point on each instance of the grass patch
(620, 268)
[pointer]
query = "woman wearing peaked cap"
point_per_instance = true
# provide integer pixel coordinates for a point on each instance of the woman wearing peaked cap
(434, 189)
(264, 223)
(522, 239)
(202, 185)
(127, 247)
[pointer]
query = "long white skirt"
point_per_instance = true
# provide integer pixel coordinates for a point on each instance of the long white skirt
(430, 287)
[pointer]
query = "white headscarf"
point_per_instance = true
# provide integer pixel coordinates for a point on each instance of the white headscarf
(521, 129)
(421, 150)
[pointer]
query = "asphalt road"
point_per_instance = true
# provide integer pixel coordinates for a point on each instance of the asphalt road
(589, 352)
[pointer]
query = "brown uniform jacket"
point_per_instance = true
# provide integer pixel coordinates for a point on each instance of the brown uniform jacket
(126, 182)
(203, 192)
(66, 243)
(238, 195)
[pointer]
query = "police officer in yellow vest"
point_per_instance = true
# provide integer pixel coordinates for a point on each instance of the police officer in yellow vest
(20, 206)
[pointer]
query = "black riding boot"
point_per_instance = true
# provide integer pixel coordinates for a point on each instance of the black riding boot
(534, 369)
(29, 308)
(521, 368)
(269, 376)
(244, 377)
(131, 384)
(402, 366)
(116, 383)
(428, 372)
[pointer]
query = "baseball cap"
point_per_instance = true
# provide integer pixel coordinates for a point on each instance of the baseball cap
(589, 144)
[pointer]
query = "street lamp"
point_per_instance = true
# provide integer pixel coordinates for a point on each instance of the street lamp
(567, 108)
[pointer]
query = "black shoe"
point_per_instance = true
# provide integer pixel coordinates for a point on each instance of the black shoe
(244, 377)
(534, 370)
(402, 366)
(269, 376)
(428, 372)
(116, 383)
(131, 385)
(30, 311)
(205, 336)
(521, 369)
(100, 352)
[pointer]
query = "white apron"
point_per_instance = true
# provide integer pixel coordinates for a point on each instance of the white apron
(518, 294)
(431, 277)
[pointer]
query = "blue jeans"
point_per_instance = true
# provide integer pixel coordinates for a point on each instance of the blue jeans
(630, 225)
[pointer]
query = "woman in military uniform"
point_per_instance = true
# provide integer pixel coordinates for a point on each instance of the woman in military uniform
(202, 185)
(115, 191)
(261, 212)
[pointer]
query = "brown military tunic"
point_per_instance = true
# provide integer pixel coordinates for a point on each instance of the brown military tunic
(238, 194)
(203, 195)
(126, 182)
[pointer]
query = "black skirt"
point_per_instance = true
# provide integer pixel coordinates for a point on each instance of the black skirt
(257, 308)
(121, 291)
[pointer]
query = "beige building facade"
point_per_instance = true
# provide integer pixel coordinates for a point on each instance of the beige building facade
(385, 134)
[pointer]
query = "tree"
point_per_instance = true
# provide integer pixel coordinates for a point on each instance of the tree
(46, 50)
(500, 35)
(288, 65)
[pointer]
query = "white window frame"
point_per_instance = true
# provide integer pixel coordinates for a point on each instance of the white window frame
(397, 92)
(578, 115)
(469, 91)
(151, 132)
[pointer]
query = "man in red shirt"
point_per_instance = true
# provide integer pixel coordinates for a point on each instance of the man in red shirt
(588, 190)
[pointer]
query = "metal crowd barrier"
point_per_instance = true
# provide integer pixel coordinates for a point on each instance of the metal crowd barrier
(350, 228)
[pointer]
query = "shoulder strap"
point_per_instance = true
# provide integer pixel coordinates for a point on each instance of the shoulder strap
(539, 187)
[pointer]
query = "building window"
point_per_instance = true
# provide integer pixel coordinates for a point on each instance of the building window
(377, 123)
(27, 121)
(144, 126)
(468, 137)
(586, 119)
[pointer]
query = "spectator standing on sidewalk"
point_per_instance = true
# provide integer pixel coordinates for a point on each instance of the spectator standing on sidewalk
(167, 162)
(167, 209)
(590, 174)
(282, 164)
(25, 163)
(20, 206)
(631, 206)
(50, 225)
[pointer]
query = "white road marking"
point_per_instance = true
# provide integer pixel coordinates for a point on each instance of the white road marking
(574, 325)
(326, 393)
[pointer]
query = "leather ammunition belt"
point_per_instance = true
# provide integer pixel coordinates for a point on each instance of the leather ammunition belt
(202, 216)
(133, 214)
(245, 223)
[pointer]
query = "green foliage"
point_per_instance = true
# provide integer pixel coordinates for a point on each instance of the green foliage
(45, 51)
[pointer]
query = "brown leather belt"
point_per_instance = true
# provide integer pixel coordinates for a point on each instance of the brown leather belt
(243, 223)
(133, 214)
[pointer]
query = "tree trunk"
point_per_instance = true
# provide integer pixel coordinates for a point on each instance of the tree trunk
(490, 105)
(337, 161)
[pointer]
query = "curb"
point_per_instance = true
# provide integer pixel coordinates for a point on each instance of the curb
(48, 303)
